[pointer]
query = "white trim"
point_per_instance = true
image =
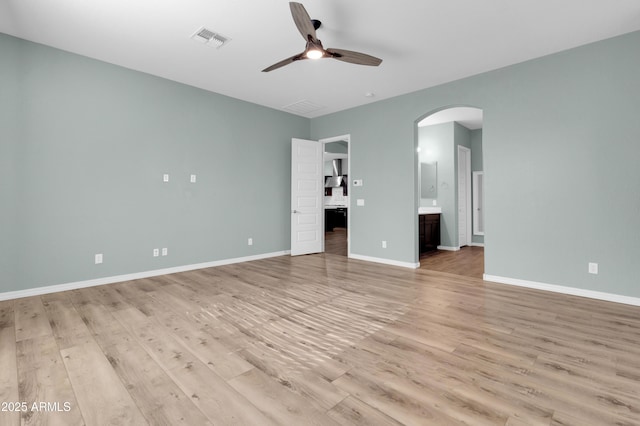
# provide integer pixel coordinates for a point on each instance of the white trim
(447, 248)
(135, 276)
(477, 244)
(610, 297)
(384, 261)
(336, 138)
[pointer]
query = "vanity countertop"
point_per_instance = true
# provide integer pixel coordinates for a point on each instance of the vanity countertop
(429, 210)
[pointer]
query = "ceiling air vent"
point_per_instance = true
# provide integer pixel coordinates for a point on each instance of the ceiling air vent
(211, 38)
(302, 107)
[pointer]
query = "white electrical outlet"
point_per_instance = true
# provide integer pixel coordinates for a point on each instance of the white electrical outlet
(250, 241)
(98, 258)
(357, 182)
(593, 268)
(360, 202)
(384, 244)
(156, 252)
(165, 251)
(165, 177)
(435, 202)
(192, 179)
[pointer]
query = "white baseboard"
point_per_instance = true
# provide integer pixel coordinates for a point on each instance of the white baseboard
(384, 261)
(477, 244)
(447, 248)
(135, 276)
(627, 300)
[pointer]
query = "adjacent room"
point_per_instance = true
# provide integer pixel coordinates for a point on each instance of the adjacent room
(340, 213)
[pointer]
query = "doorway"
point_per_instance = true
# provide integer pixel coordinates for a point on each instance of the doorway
(337, 219)
(448, 153)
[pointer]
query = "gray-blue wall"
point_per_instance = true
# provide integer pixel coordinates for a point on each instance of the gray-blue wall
(560, 147)
(10, 134)
(84, 147)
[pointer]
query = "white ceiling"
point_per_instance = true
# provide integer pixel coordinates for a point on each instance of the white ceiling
(422, 42)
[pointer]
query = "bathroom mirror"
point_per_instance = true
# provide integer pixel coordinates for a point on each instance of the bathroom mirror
(428, 180)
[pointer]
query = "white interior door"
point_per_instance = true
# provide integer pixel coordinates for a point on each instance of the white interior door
(464, 196)
(306, 197)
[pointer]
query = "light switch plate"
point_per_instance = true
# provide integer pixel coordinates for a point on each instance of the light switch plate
(357, 182)
(192, 179)
(360, 202)
(593, 268)
(165, 177)
(98, 258)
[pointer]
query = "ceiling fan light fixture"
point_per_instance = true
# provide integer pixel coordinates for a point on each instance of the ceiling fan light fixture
(314, 54)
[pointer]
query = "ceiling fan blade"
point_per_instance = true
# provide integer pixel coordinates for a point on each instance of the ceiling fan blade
(303, 21)
(354, 57)
(284, 62)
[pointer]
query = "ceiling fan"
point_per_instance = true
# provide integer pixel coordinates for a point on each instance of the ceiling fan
(314, 49)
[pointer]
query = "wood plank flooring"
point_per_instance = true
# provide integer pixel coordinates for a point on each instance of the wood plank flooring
(468, 261)
(318, 339)
(335, 242)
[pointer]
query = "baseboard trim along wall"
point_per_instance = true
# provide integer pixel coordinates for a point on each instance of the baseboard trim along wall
(448, 248)
(135, 276)
(384, 261)
(477, 244)
(609, 297)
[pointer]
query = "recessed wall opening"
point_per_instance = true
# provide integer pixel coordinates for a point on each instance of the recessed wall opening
(450, 191)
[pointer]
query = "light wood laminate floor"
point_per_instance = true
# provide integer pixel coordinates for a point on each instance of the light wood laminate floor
(335, 242)
(319, 339)
(468, 261)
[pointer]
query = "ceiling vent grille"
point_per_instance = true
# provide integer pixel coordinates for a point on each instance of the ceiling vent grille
(302, 107)
(210, 38)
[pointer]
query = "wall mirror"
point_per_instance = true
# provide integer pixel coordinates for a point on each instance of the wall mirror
(429, 180)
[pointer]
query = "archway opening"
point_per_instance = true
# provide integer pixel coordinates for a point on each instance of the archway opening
(450, 190)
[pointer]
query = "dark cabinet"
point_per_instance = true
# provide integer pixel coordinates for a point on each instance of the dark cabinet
(341, 218)
(329, 219)
(335, 218)
(429, 228)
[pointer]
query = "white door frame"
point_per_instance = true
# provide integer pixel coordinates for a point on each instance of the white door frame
(467, 173)
(346, 138)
